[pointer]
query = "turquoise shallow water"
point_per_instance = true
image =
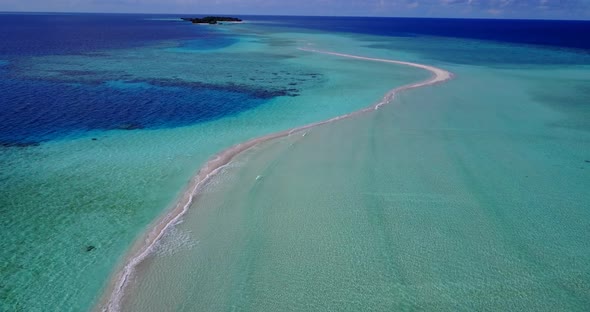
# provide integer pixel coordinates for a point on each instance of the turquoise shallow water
(469, 195)
(64, 195)
(464, 196)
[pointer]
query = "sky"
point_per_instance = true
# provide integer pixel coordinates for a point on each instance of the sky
(540, 9)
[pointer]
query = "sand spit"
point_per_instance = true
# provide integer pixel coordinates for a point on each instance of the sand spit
(114, 293)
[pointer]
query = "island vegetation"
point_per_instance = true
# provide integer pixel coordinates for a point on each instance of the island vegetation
(211, 19)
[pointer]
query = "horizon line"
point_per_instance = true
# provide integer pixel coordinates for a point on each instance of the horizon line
(298, 15)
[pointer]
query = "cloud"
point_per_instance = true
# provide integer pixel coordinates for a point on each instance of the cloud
(433, 8)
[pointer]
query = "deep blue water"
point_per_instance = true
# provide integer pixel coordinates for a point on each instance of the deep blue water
(37, 110)
(564, 42)
(33, 111)
(41, 34)
(565, 34)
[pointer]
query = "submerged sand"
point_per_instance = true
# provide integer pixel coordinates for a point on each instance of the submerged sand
(144, 246)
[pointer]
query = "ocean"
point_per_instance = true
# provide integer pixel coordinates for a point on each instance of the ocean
(464, 195)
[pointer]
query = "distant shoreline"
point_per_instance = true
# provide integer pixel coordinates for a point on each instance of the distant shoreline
(211, 20)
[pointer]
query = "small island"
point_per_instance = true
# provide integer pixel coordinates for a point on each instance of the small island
(210, 19)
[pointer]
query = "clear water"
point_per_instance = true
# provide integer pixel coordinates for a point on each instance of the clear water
(469, 195)
(98, 144)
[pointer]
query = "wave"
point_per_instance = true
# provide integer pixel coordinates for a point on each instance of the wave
(145, 247)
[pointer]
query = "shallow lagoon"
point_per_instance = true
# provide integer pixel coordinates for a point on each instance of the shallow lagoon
(82, 184)
(467, 195)
(474, 188)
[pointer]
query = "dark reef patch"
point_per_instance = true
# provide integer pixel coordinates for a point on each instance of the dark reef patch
(42, 110)
(130, 126)
(571, 98)
(18, 144)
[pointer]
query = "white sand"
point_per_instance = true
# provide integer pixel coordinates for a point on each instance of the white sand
(144, 246)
